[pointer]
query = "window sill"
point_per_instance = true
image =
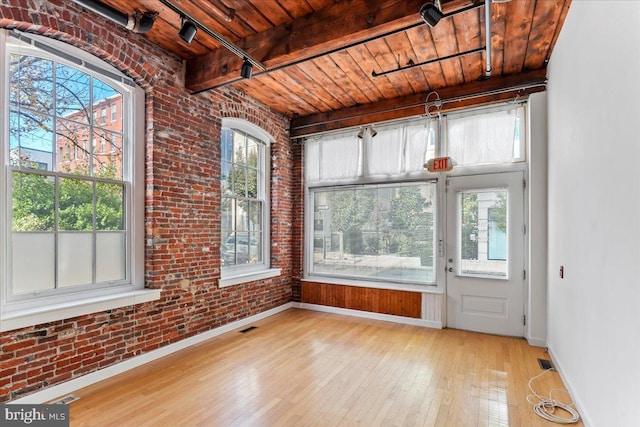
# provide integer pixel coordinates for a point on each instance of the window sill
(411, 287)
(50, 313)
(237, 279)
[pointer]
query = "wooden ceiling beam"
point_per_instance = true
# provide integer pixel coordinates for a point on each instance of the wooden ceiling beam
(481, 92)
(338, 26)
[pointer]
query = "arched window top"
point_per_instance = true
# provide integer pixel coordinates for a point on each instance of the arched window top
(249, 128)
(32, 44)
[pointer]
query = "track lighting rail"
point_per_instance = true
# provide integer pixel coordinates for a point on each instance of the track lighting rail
(238, 51)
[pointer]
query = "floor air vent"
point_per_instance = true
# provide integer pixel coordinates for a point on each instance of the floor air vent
(66, 400)
(250, 328)
(545, 364)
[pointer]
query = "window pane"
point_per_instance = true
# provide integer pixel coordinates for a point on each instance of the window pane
(252, 152)
(483, 233)
(73, 94)
(27, 247)
(102, 92)
(75, 259)
(30, 83)
(375, 232)
(76, 204)
(107, 163)
(242, 219)
(225, 178)
(33, 202)
(255, 247)
(239, 175)
(252, 183)
(31, 140)
(239, 148)
(73, 137)
(227, 215)
(255, 216)
(109, 206)
(110, 256)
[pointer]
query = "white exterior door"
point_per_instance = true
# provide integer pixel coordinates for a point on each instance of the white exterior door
(485, 253)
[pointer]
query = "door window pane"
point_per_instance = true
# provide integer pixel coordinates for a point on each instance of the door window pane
(483, 233)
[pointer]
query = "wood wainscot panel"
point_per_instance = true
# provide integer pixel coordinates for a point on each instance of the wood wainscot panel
(384, 301)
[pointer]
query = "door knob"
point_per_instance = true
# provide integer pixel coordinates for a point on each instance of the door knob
(450, 269)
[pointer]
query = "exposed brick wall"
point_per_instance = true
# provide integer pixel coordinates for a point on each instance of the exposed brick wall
(182, 217)
(297, 247)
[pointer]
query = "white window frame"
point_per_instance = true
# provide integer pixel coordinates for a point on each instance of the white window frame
(362, 280)
(16, 314)
(238, 274)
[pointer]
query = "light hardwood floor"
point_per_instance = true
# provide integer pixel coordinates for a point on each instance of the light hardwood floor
(305, 368)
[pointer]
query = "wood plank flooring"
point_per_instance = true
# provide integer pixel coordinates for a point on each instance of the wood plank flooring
(305, 368)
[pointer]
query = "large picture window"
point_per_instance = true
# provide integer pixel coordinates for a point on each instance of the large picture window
(72, 221)
(375, 232)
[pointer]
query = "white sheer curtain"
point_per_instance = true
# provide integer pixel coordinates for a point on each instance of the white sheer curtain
(396, 150)
(332, 159)
(482, 138)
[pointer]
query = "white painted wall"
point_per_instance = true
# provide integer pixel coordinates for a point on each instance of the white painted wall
(594, 209)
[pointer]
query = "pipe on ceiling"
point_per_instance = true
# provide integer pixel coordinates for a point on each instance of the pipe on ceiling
(138, 22)
(431, 61)
(487, 17)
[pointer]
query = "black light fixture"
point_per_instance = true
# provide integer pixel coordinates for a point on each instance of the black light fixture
(247, 69)
(431, 13)
(188, 30)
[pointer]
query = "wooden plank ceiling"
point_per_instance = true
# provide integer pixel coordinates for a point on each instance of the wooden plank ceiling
(319, 55)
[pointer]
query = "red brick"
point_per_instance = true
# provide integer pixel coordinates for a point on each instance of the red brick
(182, 214)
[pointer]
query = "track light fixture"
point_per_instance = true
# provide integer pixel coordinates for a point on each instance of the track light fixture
(247, 69)
(188, 30)
(431, 13)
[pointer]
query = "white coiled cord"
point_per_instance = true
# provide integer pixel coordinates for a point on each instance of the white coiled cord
(546, 407)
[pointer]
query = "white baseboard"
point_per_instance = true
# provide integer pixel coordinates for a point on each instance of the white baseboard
(537, 342)
(576, 399)
(70, 386)
(369, 315)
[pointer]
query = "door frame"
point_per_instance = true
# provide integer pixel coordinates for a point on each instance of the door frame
(446, 217)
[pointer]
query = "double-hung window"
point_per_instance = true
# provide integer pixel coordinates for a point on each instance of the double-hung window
(245, 217)
(71, 225)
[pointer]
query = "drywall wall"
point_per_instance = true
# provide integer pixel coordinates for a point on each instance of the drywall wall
(594, 206)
